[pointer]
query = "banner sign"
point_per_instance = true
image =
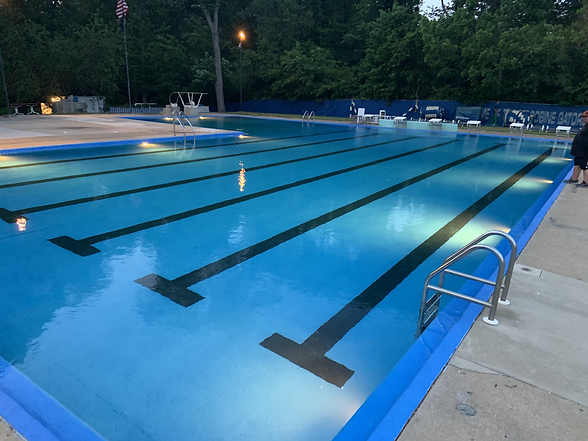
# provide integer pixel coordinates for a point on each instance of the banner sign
(546, 115)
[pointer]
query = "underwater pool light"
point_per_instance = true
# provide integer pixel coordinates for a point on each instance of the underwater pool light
(22, 223)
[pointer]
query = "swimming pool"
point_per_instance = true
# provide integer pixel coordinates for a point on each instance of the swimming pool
(257, 288)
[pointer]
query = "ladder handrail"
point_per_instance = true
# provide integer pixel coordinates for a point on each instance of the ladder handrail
(191, 126)
(511, 261)
(178, 115)
(501, 284)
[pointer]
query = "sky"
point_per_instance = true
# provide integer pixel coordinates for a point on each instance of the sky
(427, 3)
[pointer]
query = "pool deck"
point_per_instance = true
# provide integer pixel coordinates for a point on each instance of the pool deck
(51, 130)
(526, 379)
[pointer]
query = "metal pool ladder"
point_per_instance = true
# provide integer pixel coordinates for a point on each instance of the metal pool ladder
(308, 115)
(182, 119)
(430, 305)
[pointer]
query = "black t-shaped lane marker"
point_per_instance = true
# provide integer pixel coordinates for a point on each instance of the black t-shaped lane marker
(177, 289)
(310, 354)
(84, 247)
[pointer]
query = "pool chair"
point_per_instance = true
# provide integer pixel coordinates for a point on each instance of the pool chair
(563, 129)
(361, 115)
(514, 127)
(474, 125)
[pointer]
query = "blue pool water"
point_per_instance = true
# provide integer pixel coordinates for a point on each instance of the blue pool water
(254, 288)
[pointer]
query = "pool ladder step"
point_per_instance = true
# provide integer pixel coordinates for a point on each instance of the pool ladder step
(430, 305)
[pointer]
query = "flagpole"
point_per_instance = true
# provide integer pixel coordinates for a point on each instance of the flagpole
(127, 61)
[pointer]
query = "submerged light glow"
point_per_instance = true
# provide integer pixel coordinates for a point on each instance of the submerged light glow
(21, 222)
(242, 179)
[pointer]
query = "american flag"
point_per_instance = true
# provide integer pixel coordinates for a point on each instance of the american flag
(121, 9)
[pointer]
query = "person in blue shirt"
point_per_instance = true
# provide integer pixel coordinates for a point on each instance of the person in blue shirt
(580, 153)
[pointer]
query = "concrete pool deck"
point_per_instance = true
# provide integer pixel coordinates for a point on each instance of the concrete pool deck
(50, 130)
(525, 378)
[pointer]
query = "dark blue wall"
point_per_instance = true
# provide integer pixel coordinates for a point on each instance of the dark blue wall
(538, 114)
(507, 112)
(339, 108)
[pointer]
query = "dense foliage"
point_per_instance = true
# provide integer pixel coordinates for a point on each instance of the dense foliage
(472, 51)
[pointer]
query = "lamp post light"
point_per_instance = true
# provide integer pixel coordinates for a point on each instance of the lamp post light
(241, 38)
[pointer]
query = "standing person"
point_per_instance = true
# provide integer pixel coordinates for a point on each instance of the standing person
(580, 154)
(352, 110)
(494, 120)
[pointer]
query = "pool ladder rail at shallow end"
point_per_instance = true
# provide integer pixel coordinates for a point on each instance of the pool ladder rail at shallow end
(179, 117)
(308, 116)
(430, 305)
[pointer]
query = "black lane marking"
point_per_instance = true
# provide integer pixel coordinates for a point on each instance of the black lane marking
(170, 150)
(177, 289)
(310, 354)
(83, 247)
(11, 216)
(166, 164)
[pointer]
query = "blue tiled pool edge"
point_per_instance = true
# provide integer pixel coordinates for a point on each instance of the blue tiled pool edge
(385, 413)
(36, 415)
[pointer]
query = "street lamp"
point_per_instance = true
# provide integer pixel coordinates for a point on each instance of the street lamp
(241, 38)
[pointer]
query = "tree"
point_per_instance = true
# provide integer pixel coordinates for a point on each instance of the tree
(213, 24)
(472, 50)
(443, 41)
(564, 12)
(26, 51)
(309, 72)
(281, 23)
(393, 66)
(533, 59)
(169, 70)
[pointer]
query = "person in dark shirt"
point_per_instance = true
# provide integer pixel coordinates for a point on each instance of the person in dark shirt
(580, 154)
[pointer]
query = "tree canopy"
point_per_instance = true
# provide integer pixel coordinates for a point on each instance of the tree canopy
(468, 50)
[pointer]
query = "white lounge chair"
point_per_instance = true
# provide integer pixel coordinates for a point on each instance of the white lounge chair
(399, 121)
(474, 124)
(565, 129)
(361, 115)
(516, 126)
(435, 123)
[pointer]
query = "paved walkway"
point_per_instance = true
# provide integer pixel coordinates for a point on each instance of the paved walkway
(40, 130)
(524, 379)
(7, 433)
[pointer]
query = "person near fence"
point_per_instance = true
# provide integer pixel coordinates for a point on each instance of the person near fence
(580, 153)
(494, 119)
